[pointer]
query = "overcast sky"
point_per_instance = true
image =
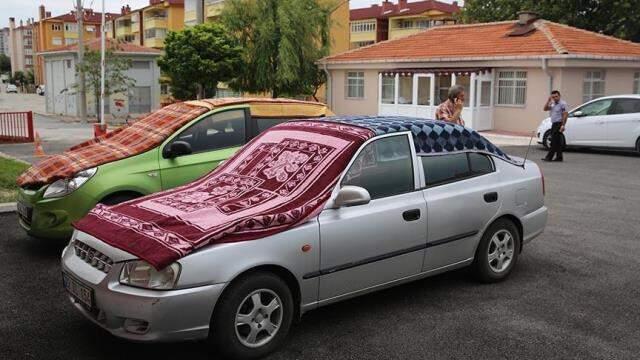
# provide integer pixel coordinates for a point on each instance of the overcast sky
(24, 9)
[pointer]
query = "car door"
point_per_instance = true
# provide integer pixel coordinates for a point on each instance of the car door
(213, 138)
(623, 122)
(463, 194)
(367, 245)
(586, 126)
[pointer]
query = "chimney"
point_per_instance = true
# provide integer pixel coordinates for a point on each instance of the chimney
(12, 23)
(455, 3)
(128, 9)
(48, 14)
(41, 12)
(21, 23)
(527, 17)
(402, 4)
(387, 5)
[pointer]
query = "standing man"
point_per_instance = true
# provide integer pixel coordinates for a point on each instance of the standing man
(451, 109)
(559, 112)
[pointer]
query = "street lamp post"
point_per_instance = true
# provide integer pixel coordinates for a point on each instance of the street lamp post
(103, 36)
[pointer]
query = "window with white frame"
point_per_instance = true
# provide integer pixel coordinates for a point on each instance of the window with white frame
(56, 27)
(70, 41)
(56, 40)
(388, 93)
(465, 82)
(636, 83)
(485, 93)
(405, 90)
(512, 88)
(71, 27)
(354, 85)
(593, 85)
(368, 26)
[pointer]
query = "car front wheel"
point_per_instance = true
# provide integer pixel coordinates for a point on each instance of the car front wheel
(497, 252)
(252, 318)
(546, 140)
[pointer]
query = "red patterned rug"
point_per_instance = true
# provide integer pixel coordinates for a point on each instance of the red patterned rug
(280, 179)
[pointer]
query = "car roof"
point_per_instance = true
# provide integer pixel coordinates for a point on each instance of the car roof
(628, 96)
(429, 136)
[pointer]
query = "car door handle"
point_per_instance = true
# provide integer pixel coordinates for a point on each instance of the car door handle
(491, 197)
(411, 215)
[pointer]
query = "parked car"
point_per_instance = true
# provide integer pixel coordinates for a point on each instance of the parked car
(40, 90)
(48, 205)
(11, 88)
(415, 199)
(606, 122)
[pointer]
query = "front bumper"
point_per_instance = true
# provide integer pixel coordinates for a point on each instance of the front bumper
(175, 315)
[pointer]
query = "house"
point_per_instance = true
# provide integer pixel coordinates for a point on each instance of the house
(508, 69)
(149, 25)
(391, 21)
(51, 32)
(21, 46)
(61, 76)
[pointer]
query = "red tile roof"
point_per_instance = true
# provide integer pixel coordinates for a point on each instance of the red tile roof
(491, 40)
(94, 44)
(89, 17)
(410, 8)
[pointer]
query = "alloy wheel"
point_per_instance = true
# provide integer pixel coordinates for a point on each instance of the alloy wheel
(258, 318)
(500, 251)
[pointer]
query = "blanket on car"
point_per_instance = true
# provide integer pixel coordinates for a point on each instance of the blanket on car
(280, 179)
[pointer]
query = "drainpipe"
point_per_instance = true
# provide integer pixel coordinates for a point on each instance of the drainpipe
(328, 87)
(546, 70)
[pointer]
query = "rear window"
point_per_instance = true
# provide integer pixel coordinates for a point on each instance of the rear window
(440, 169)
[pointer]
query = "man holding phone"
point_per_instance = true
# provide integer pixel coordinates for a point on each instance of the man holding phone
(451, 109)
(559, 112)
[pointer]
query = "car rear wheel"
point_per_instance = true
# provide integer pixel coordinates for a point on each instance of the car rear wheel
(252, 318)
(497, 252)
(638, 146)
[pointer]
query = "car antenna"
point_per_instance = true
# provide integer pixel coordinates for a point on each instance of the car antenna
(528, 148)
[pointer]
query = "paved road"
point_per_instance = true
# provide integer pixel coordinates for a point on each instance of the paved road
(573, 295)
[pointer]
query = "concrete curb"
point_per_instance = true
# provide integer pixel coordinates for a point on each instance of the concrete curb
(7, 207)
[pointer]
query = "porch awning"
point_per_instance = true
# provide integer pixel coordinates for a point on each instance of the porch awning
(436, 71)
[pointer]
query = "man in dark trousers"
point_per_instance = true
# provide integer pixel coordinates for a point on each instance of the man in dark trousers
(559, 112)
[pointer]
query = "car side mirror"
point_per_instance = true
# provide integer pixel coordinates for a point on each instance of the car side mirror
(351, 196)
(177, 148)
(578, 114)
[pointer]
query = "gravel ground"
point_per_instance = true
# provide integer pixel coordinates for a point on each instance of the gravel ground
(573, 295)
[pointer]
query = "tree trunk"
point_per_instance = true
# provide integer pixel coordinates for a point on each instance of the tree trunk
(199, 91)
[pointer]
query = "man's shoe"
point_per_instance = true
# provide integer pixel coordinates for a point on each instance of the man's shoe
(545, 159)
(557, 160)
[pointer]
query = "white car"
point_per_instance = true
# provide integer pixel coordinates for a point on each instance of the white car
(12, 88)
(606, 122)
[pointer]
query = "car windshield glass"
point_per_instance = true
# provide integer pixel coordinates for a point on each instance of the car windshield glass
(600, 107)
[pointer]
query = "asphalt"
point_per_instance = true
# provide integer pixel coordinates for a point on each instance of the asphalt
(573, 295)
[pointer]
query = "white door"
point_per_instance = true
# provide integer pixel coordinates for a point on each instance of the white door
(623, 122)
(424, 86)
(589, 128)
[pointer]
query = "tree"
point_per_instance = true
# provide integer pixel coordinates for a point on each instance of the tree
(618, 18)
(199, 57)
(115, 77)
(5, 64)
(282, 40)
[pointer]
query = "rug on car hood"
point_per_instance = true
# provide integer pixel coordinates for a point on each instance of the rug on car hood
(280, 179)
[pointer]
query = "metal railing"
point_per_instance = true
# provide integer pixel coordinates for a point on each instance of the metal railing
(16, 126)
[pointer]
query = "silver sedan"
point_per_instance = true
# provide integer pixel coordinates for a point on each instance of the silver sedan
(407, 215)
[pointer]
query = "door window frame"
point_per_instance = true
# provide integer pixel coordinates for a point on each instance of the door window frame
(177, 133)
(615, 100)
(469, 175)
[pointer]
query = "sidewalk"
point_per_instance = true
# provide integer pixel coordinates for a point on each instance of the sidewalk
(502, 138)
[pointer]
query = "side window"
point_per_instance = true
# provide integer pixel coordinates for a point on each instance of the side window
(625, 106)
(439, 169)
(384, 167)
(217, 131)
(596, 108)
(262, 124)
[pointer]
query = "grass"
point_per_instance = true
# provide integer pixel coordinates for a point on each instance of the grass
(9, 171)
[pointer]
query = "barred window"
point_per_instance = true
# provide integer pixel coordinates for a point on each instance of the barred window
(363, 26)
(593, 85)
(354, 85)
(636, 83)
(512, 88)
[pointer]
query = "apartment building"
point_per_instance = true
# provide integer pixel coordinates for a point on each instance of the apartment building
(4, 41)
(21, 45)
(51, 32)
(391, 21)
(149, 25)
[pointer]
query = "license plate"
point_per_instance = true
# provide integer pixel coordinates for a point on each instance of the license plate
(24, 211)
(81, 293)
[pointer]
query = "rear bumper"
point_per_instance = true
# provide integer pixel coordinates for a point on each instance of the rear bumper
(533, 224)
(174, 315)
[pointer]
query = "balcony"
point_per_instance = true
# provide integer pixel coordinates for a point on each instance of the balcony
(157, 22)
(123, 30)
(157, 43)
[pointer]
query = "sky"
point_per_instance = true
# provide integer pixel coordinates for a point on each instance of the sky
(24, 9)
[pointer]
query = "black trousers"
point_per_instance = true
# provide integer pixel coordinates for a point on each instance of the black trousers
(556, 142)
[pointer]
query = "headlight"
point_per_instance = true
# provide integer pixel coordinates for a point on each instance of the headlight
(141, 274)
(66, 186)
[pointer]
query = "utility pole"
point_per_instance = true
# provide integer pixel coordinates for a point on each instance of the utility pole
(81, 76)
(103, 36)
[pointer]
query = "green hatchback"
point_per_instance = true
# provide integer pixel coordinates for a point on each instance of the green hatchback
(200, 145)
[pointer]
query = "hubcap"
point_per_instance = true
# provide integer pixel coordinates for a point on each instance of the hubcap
(501, 250)
(258, 318)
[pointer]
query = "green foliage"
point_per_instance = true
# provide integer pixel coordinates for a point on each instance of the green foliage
(18, 78)
(5, 64)
(11, 169)
(618, 18)
(199, 57)
(115, 78)
(282, 40)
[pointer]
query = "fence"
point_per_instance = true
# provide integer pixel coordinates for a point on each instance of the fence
(16, 127)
